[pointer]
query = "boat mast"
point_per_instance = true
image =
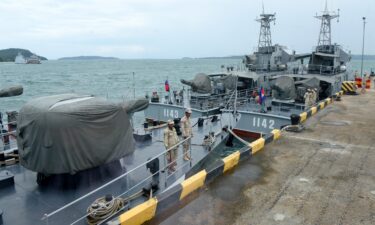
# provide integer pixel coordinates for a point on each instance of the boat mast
(265, 40)
(325, 27)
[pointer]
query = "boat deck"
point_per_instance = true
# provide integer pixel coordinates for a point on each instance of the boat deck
(26, 202)
(323, 175)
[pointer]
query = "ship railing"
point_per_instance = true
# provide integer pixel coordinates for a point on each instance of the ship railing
(330, 49)
(249, 104)
(8, 142)
(319, 69)
(243, 98)
(234, 67)
(266, 68)
(252, 105)
(223, 100)
(126, 186)
(201, 102)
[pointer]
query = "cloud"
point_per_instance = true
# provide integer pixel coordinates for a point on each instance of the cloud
(171, 28)
(51, 19)
(88, 28)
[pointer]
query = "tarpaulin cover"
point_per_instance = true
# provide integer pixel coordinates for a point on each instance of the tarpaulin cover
(11, 91)
(229, 82)
(137, 105)
(284, 88)
(68, 133)
(309, 83)
(200, 84)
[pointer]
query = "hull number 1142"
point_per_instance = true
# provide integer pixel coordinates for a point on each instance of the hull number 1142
(264, 123)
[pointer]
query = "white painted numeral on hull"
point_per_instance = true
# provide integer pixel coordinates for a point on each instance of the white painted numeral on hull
(264, 123)
(171, 113)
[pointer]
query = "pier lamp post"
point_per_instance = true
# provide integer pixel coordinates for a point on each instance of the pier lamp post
(363, 48)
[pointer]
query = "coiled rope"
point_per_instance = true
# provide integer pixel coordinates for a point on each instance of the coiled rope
(101, 209)
(104, 207)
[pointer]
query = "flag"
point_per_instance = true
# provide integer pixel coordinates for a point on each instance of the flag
(262, 96)
(166, 85)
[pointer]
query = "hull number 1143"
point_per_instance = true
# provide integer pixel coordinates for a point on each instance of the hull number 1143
(171, 113)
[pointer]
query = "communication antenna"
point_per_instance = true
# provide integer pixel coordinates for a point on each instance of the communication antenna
(262, 7)
(325, 27)
(265, 39)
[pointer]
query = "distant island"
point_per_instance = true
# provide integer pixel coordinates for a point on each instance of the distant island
(88, 58)
(9, 55)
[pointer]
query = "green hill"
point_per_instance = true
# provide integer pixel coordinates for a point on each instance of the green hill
(8, 55)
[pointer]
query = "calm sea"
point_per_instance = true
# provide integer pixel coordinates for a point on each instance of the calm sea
(112, 79)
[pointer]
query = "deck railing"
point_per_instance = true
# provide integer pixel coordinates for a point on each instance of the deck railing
(8, 137)
(322, 70)
(135, 179)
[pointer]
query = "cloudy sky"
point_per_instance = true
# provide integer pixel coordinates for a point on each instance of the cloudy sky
(174, 28)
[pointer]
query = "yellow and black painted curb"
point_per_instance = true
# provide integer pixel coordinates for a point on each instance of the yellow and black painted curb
(321, 105)
(348, 87)
(169, 198)
(163, 201)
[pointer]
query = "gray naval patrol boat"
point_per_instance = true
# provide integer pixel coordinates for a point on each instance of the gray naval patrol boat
(207, 94)
(323, 73)
(75, 170)
(290, 102)
(78, 160)
(285, 80)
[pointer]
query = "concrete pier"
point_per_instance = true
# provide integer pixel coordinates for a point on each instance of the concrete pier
(324, 175)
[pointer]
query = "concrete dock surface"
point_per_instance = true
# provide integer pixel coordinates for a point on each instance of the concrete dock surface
(323, 175)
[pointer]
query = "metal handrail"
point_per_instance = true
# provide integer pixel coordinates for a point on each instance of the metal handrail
(326, 48)
(48, 215)
(142, 181)
(13, 122)
(320, 68)
(212, 100)
(8, 133)
(7, 147)
(230, 98)
(85, 215)
(160, 170)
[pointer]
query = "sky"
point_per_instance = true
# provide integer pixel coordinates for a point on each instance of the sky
(134, 29)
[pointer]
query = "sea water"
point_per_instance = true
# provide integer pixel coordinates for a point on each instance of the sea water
(112, 79)
(116, 80)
